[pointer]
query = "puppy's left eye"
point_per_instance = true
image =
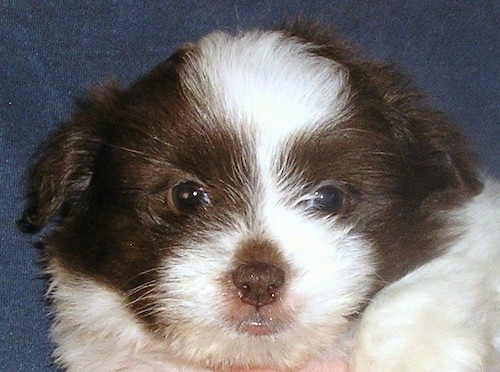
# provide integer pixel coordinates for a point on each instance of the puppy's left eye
(328, 199)
(188, 197)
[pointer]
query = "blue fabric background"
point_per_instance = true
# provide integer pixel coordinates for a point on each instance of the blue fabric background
(50, 51)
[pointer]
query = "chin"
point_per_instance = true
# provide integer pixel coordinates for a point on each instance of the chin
(264, 200)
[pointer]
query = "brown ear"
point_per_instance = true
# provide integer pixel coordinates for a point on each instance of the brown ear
(64, 165)
(445, 166)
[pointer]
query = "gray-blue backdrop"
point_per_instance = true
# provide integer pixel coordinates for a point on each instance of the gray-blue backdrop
(50, 51)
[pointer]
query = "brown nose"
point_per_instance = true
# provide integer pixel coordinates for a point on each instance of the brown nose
(258, 283)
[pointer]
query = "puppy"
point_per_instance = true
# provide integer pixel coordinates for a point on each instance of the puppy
(266, 200)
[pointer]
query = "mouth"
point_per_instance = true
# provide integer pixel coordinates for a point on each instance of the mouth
(259, 321)
(259, 325)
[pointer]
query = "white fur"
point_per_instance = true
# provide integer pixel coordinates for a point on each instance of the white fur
(192, 283)
(95, 332)
(264, 81)
(444, 316)
(267, 88)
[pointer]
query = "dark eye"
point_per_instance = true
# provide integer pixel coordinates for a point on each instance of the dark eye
(188, 197)
(328, 199)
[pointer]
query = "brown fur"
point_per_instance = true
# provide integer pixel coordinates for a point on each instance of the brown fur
(103, 177)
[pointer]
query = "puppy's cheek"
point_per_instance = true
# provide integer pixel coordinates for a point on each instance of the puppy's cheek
(332, 282)
(331, 268)
(190, 282)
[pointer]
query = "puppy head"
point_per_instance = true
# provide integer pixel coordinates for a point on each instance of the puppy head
(249, 195)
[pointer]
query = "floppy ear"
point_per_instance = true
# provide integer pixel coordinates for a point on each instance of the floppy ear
(444, 165)
(436, 154)
(64, 166)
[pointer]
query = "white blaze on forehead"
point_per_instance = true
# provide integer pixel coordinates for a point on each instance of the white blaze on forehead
(266, 86)
(266, 81)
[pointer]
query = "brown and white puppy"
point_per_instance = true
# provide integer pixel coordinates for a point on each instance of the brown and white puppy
(264, 200)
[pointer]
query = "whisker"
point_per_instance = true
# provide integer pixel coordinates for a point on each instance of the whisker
(150, 284)
(144, 296)
(151, 310)
(140, 274)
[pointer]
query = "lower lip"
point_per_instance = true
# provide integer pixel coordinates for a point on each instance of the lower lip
(258, 326)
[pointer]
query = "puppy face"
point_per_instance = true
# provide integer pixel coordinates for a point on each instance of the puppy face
(248, 196)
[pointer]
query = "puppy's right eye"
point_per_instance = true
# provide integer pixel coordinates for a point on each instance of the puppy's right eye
(188, 197)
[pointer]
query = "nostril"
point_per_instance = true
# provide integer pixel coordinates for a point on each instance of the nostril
(244, 288)
(258, 283)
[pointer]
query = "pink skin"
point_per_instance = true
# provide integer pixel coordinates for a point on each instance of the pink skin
(334, 365)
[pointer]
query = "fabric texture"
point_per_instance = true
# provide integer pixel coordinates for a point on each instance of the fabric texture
(51, 51)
